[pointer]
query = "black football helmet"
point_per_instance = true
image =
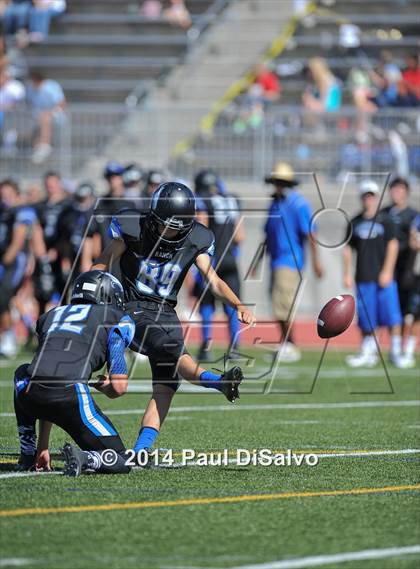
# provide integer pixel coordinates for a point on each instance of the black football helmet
(172, 205)
(205, 182)
(98, 287)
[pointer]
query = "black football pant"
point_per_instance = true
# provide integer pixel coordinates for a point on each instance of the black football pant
(73, 409)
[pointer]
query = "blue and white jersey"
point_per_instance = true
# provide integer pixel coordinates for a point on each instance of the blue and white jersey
(77, 339)
(10, 219)
(154, 270)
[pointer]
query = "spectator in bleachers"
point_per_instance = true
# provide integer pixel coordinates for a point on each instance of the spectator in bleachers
(3, 54)
(13, 58)
(40, 16)
(15, 17)
(265, 89)
(324, 93)
(362, 89)
(151, 9)
(12, 92)
(386, 77)
(178, 14)
(268, 84)
(409, 89)
(47, 100)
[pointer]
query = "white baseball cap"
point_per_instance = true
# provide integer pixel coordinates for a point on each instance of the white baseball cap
(369, 187)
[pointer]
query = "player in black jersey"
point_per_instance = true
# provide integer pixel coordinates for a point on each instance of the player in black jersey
(156, 251)
(97, 238)
(74, 341)
(220, 212)
(403, 216)
(372, 237)
(71, 227)
(16, 226)
(48, 212)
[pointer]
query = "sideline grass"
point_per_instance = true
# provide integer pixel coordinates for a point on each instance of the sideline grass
(235, 533)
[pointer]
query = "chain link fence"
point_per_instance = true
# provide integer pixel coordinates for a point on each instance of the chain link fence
(385, 141)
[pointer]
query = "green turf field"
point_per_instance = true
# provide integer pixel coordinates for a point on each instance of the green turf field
(363, 494)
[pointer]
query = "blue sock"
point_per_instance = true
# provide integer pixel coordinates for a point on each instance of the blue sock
(210, 379)
(233, 325)
(146, 438)
(206, 311)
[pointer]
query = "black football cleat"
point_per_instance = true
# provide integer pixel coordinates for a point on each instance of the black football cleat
(74, 460)
(230, 382)
(26, 463)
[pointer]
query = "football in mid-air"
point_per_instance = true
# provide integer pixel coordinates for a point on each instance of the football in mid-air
(336, 316)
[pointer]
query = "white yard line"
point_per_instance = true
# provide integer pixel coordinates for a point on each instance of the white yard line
(274, 406)
(255, 372)
(26, 474)
(317, 560)
(266, 407)
(344, 454)
(16, 562)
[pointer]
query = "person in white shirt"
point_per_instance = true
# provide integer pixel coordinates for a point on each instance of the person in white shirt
(12, 93)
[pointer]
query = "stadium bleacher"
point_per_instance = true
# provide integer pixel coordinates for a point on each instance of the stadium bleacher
(384, 25)
(101, 39)
(107, 57)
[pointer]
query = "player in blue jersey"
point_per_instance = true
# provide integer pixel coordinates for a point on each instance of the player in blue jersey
(76, 340)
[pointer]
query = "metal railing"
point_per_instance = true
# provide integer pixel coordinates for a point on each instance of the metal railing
(238, 147)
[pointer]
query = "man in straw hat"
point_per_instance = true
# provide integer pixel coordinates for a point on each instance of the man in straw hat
(287, 229)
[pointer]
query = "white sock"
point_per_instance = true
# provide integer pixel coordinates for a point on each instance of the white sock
(396, 345)
(410, 346)
(368, 346)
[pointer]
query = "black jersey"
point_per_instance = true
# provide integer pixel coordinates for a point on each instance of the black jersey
(48, 215)
(72, 225)
(10, 217)
(150, 271)
(403, 220)
(73, 341)
(104, 210)
(369, 239)
(223, 212)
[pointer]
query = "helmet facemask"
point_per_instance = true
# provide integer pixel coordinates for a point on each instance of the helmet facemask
(182, 225)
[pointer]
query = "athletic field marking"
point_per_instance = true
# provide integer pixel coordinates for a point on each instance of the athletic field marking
(26, 474)
(15, 562)
(204, 501)
(316, 560)
(319, 454)
(274, 406)
(265, 407)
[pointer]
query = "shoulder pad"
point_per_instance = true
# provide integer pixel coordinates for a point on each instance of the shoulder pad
(126, 224)
(203, 238)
